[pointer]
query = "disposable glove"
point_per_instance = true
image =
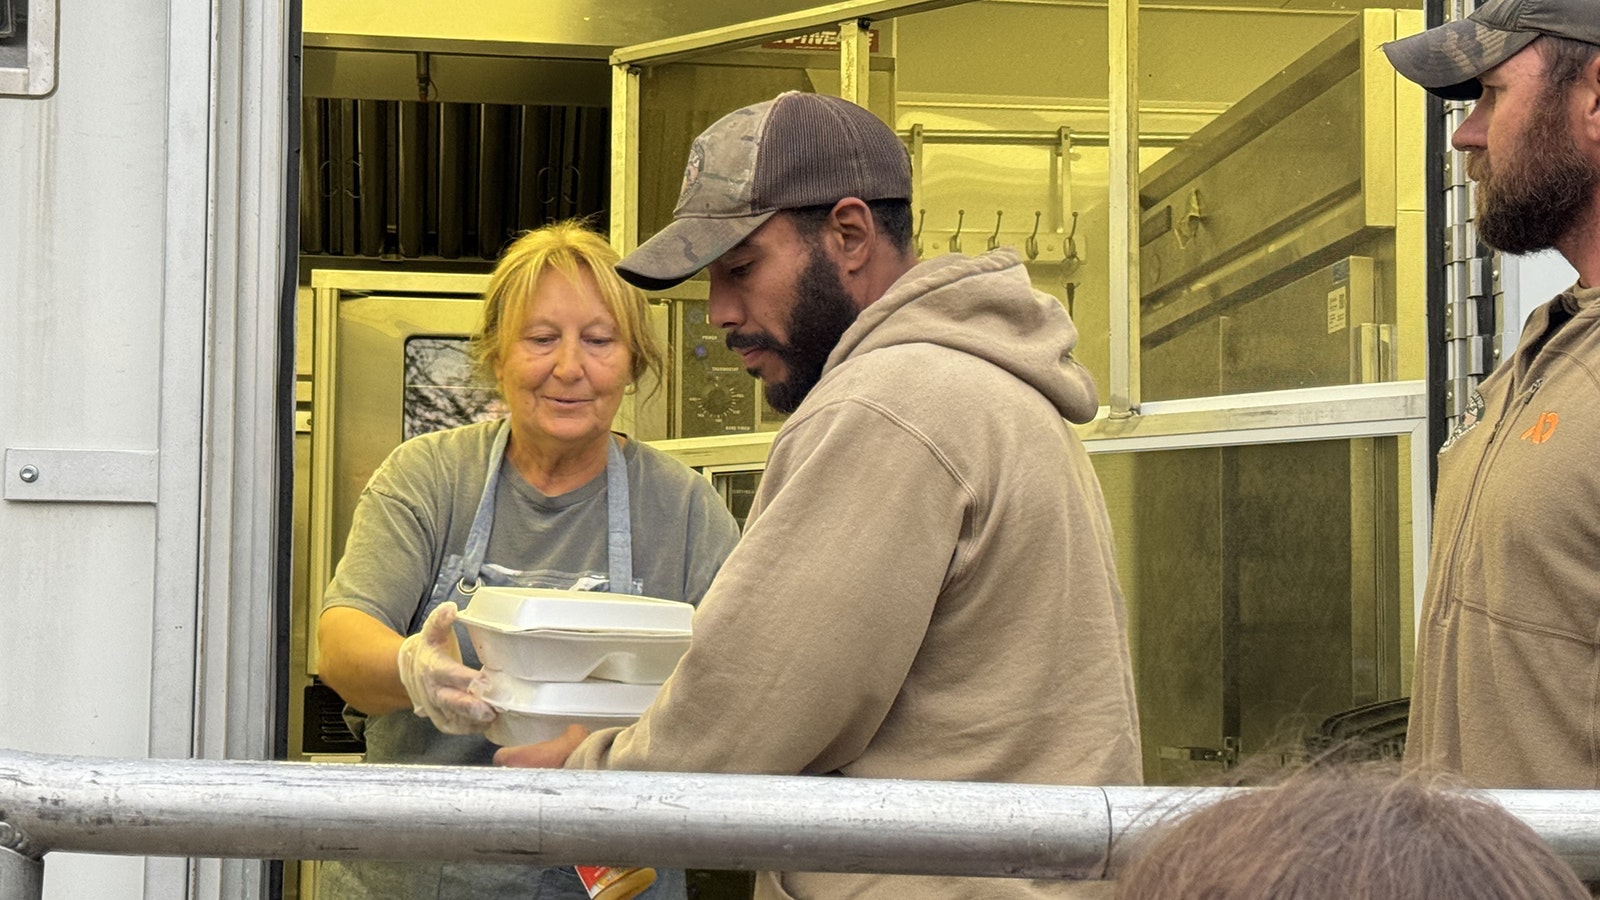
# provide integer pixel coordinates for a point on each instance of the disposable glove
(439, 685)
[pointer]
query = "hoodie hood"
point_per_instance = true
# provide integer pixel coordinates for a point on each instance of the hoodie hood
(984, 306)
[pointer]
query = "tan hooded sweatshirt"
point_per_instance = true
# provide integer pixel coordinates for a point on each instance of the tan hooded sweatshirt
(925, 588)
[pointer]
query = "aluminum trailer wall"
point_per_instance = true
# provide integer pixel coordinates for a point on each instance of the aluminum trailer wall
(141, 250)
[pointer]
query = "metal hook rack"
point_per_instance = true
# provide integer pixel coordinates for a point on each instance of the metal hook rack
(1029, 243)
(1062, 216)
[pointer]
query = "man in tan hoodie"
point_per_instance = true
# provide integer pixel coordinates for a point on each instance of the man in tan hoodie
(1507, 686)
(925, 587)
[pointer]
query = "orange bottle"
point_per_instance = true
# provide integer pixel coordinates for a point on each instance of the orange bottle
(608, 883)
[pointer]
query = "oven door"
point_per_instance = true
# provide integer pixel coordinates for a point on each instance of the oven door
(388, 363)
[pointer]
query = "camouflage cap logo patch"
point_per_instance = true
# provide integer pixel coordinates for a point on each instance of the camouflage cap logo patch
(691, 171)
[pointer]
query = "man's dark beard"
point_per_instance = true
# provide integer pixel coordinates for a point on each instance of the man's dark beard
(1541, 190)
(822, 312)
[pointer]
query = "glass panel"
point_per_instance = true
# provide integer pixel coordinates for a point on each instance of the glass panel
(1265, 593)
(1281, 247)
(440, 391)
(1281, 181)
(738, 490)
(1281, 243)
(1004, 108)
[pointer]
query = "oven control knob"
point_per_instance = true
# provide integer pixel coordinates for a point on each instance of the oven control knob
(716, 401)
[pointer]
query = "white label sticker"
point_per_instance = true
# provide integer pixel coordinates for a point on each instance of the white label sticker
(1338, 308)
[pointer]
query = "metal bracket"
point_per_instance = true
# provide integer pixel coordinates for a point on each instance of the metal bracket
(21, 877)
(1227, 754)
(16, 840)
(21, 865)
(80, 476)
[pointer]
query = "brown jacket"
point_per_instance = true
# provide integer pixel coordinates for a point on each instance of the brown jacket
(925, 588)
(1507, 686)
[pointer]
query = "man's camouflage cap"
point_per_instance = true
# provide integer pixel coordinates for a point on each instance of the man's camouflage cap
(1448, 60)
(795, 150)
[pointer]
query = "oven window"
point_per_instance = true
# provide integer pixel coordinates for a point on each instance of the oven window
(440, 390)
(738, 490)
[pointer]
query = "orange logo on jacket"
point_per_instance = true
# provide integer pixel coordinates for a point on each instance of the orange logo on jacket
(1540, 431)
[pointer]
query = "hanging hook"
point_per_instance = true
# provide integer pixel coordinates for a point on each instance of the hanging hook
(545, 186)
(1031, 245)
(354, 179)
(325, 178)
(570, 197)
(1070, 260)
(916, 237)
(955, 239)
(994, 239)
(1189, 225)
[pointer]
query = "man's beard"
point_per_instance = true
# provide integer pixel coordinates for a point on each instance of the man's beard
(821, 314)
(1541, 190)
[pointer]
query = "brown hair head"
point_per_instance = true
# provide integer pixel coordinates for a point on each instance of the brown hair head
(1348, 835)
(1564, 61)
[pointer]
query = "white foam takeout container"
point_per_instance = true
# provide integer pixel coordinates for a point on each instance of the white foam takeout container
(545, 635)
(533, 711)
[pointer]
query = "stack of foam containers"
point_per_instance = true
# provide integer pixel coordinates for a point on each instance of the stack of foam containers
(553, 658)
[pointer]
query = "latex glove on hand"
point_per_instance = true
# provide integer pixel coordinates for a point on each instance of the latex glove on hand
(439, 685)
(551, 754)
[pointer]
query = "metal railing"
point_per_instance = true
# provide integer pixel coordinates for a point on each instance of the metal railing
(273, 810)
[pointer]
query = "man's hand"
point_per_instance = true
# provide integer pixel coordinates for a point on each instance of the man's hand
(551, 754)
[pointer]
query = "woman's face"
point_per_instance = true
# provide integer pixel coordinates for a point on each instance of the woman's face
(563, 368)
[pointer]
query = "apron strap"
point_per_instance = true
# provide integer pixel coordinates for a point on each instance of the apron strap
(483, 520)
(451, 581)
(619, 524)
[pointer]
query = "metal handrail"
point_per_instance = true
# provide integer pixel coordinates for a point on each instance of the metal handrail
(275, 810)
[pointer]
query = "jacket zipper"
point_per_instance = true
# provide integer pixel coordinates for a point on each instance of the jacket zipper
(1469, 511)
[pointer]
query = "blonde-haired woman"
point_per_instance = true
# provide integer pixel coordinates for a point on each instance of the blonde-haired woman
(546, 497)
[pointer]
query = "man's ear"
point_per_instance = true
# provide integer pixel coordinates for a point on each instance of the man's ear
(853, 232)
(1587, 94)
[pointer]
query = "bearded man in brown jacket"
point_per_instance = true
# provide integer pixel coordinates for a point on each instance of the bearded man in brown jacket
(925, 587)
(1507, 687)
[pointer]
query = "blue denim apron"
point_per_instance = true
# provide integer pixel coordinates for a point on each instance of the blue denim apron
(360, 880)
(451, 582)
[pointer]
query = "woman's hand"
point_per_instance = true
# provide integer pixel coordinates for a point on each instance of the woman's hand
(439, 685)
(551, 754)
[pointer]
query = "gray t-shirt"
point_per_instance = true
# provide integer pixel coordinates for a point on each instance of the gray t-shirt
(418, 508)
(415, 514)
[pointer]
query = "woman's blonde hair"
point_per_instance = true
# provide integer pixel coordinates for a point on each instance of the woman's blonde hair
(571, 249)
(1348, 834)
